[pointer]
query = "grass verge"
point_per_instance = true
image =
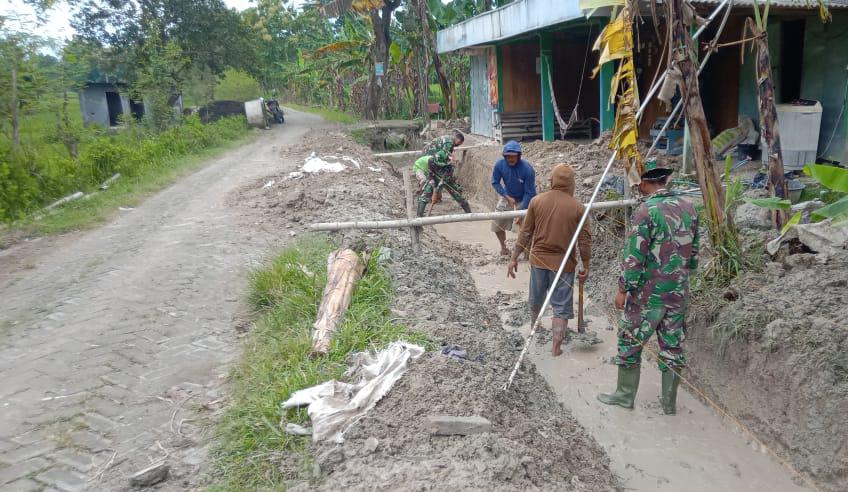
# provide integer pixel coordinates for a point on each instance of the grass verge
(128, 191)
(254, 453)
(330, 115)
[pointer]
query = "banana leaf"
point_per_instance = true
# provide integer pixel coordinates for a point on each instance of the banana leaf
(337, 46)
(837, 210)
(831, 177)
(395, 53)
(771, 203)
(796, 219)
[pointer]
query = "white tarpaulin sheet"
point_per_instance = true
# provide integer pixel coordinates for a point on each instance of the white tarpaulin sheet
(335, 406)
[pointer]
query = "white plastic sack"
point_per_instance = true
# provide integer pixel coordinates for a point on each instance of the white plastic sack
(335, 406)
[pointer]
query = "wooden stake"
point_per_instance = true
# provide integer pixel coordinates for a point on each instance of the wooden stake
(414, 232)
(344, 269)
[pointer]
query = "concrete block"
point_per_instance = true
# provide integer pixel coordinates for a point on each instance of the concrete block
(446, 425)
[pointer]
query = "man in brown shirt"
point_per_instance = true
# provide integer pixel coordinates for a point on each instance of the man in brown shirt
(549, 225)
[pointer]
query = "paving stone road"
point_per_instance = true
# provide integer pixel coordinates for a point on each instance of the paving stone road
(115, 343)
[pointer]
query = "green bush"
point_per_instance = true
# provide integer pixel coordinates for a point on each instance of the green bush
(18, 189)
(41, 171)
(236, 85)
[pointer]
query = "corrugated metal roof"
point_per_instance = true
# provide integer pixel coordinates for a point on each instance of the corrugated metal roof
(798, 4)
(513, 19)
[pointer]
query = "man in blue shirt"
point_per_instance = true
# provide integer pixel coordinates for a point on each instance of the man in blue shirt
(514, 181)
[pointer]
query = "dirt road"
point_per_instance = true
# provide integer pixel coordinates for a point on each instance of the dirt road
(111, 340)
(694, 450)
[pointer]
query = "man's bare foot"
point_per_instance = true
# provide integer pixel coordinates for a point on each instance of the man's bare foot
(504, 251)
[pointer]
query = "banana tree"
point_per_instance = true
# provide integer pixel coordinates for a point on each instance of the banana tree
(769, 127)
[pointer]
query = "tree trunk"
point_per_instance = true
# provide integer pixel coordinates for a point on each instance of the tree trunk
(16, 124)
(709, 180)
(430, 43)
(344, 269)
(379, 54)
(768, 123)
(422, 64)
(68, 137)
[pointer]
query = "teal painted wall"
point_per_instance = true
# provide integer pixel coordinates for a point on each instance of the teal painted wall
(824, 78)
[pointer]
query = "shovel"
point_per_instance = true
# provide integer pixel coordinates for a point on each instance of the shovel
(581, 323)
(587, 337)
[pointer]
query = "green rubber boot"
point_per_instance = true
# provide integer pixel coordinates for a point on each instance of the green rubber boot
(422, 207)
(625, 391)
(670, 380)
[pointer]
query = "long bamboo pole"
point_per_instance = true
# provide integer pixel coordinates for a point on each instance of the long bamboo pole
(412, 152)
(446, 219)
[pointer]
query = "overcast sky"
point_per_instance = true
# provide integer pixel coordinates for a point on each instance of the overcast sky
(58, 25)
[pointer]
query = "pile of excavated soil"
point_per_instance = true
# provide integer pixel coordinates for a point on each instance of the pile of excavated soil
(535, 444)
(771, 350)
(587, 159)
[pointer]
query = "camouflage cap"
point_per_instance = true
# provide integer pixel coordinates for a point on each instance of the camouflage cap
(653, 172)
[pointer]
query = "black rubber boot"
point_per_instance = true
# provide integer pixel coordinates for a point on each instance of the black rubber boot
(625, 391)
(670, 381)
(422, 207)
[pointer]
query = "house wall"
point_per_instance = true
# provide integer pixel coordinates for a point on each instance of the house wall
(481, 104)
(522, 90)
(824, 79)
(569, 55)
(94, 106)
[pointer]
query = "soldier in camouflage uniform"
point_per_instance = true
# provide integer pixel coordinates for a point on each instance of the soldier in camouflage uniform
(441, 173)
(659, 255)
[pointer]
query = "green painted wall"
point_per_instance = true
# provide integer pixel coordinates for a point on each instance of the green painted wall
(824, 78)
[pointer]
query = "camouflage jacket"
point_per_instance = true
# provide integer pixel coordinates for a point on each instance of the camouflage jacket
(661, 250)
(441, 149)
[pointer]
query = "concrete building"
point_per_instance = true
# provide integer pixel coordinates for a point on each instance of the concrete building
(103, 102)
(527, 51)
(105, 99)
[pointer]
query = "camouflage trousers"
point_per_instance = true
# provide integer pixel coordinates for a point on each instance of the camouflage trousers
(639, 322)
(448, 182)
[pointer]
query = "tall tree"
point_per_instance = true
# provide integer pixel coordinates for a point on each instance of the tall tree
(210, 34)
(432, 54)
(19, 88)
